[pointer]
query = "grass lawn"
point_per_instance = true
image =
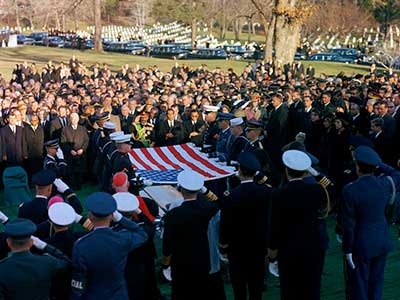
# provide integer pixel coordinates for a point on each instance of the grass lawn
(332, 281)
(41, 55)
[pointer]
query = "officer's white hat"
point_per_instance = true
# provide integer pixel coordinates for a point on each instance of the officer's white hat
(62, 214)
(121, 139)
(236, 121)
(211, 108)
(116, 134)
(296, 160)
(190, 180)
(126, 202)
(109, 125)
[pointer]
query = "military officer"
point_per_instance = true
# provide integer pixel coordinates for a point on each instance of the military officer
(95, 139)
(238, 141)
(36, 210)
(109, 153)
(185, 240)
(299, 239)
(255, 145)
(211, 134)
(366, 235)
(54, 159)
(224, 137)
(122, 163)
(140, 268)
(99, 274)
(246, 241)
(24, 275)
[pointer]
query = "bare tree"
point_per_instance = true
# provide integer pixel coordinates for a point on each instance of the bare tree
(98, 46)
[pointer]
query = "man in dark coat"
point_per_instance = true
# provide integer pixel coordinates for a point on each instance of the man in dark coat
(74, 142)
(34, 139)
(171, 131)
(58, 123)
(194, 129)
(24, 275)
(299, 237)
(12, 141)
(126, 120)
(246, 242)
(276, 136)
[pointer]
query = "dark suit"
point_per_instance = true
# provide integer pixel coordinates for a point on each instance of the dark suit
(295, 118)
(34, 140)
(75, 139)
(12, 145)
(360, 125)
(300, 237)
(177, 130)
(55, 128)
(198, 127)
(389, 126)
(126, 124)
(244, 231)
(25, 276)
(384, 146)
(366, 232)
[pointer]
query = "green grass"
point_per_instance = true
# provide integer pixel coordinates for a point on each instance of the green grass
(41, 55)
(332, 281)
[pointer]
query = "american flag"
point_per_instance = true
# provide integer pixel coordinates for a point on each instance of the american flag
(163, 164)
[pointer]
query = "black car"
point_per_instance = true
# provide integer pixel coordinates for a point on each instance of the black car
(24, 40)
(123, 47)
(239, 52)
(39, 36)
(207, 53)
(168, 51)
(55, 41)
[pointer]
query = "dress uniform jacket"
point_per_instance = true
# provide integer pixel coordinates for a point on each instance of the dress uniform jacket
(98, 262)
(222, 144)
(36, 210)
(26, 276)
(300, 237)
(185, 239)
(237, 146)
(244, 230)
(58, 166)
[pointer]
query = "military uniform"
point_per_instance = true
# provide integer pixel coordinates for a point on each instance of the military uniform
(244, 232)
(99, 258)
(257, 148)
(366, 234)
(58, 166)
(26, 276)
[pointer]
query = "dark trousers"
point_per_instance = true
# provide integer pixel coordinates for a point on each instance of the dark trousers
(300, 275)
(189, 285)
(365, 282)
(247, 276)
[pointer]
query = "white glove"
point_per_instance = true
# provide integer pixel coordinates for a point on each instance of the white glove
(349, 258)
(137, 211)
(60, 154)
(203, 190)
(273, 268)
(61, 185)
(78, 218)
(117, 216)
(38, 243)
(223, 258)
(3, 217)
(167, 274)
(147, 182)
(339, 238)
(312, 171)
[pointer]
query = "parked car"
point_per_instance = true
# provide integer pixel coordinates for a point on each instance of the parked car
(168, 51)
(54, 41)
(239, 52)
(38, 36)
(123, 47)
(24, 40)
(206, 53)
(330, 57)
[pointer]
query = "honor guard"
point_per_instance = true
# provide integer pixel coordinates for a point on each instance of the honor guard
(224, 137)
(36, 210)
(108, 154)
(122, 162)
(299, 238)
(95, 140)
(109, 127)
(246, 242)
(23, 275)
(239, 139)
(54, 159)
(99, 258)
(366, 234)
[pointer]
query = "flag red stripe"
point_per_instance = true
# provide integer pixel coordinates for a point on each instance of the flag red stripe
(166, 159)
(139, 160)
(202, 160)
(151, 159)
(179, 157)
